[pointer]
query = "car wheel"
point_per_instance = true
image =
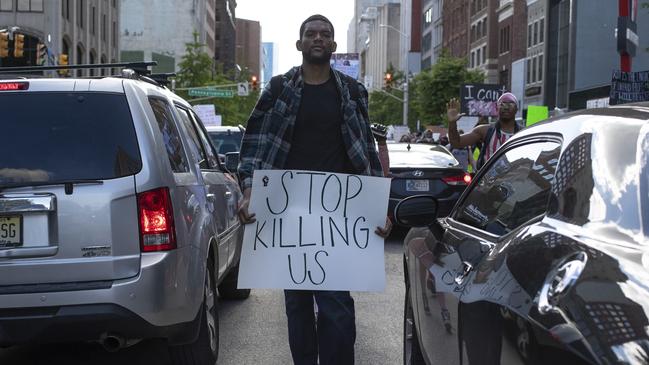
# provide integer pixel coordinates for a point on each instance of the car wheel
(205, 350)
(228, 288)
(526, 343)
(411, 351)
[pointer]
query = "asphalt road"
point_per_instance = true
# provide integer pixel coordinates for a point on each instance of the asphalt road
(254, 331)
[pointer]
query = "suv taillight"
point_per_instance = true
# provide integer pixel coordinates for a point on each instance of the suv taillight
(157, 232)
(464, 179)
(12, 86)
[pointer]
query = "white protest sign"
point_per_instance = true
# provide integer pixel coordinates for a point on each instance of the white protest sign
(207, 114)
(315, 231)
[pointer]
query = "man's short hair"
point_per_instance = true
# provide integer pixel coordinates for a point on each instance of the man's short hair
(314, 18)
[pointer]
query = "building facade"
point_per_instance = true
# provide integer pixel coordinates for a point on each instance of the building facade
(512, 46)
(455, 25)
(269, 61)
(160, 31)
(382, 47)
(84, 30)
(432, 32)
(249, 51)
(536, 42)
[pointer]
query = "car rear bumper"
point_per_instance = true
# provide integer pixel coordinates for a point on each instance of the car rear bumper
(165, 297)
(86, 323)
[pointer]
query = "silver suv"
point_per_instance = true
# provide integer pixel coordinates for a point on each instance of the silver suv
(117, 220)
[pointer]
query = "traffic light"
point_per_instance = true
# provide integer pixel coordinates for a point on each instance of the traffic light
(63, 61)
(253, 83)
(4, 44)
(41, 54)
(19, 45)
(388, 80)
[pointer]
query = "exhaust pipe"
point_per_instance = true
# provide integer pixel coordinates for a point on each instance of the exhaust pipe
(112, 342)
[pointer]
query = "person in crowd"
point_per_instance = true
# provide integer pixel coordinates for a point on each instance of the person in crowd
(322, 125)
(491, 137)
(464, 155)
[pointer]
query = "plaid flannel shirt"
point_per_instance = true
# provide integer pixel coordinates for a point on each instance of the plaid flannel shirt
(269, 132)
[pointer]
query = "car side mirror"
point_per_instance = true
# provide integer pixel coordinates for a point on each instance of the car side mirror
(416, 211)
(232, 161)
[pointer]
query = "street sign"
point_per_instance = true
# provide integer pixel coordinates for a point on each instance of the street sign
(243, 89)
(215, 93)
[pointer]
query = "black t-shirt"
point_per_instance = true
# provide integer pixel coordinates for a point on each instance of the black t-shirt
(317, 143)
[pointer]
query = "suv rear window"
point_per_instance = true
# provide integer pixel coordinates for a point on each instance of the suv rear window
(66, 136)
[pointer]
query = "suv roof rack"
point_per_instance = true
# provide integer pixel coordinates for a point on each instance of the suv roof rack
(137, 70)
(140, 68)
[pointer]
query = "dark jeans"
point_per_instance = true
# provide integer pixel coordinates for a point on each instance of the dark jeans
(334, 336)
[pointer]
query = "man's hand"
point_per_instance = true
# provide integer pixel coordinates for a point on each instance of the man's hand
(453, 110)
(244, 216)
(384, 231)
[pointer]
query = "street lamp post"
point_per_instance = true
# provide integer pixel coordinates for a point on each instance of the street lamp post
(406, 71)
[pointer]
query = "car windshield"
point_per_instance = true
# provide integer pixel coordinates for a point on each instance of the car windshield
(420, 155)
(226, 141)
(66, 136)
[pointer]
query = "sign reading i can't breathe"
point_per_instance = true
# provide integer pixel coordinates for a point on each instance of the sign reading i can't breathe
(315, 231)
(480, 99)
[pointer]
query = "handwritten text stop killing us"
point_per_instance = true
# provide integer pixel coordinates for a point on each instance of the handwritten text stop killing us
(326, 222)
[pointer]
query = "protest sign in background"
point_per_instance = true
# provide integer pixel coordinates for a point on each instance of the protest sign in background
(536, 114)
(480, 99)
(629, 87)
(315, 231)
(347, 63)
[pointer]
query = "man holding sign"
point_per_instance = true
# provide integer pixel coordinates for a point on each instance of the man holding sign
(311, 215)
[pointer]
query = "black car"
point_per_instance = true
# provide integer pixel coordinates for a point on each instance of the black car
(429, 169)
(545, 257)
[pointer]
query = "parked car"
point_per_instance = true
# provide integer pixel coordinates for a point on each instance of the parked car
(425, 169)
(226, 138)
(117, 220)
(548, 241)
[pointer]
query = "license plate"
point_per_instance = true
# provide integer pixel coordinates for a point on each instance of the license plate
(11, 231)
(416, 185)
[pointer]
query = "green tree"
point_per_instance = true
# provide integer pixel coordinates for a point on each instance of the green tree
(196, 66)
(436, 86)
(197, 69)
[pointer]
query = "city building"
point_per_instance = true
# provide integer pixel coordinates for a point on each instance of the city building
(483, 40)
(512, 45)
(382, 46)
(269, 61)
(411, 43)
(535, 65)
(248, 46)
(432, 32)
(582, 51)
(160, 33)
(455, 27)
(85, 31)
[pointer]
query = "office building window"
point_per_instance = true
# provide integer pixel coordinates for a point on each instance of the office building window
(113, 35)
(534, 69)
(484, 54)
(6, 5)
(541, 68)
(472, 59)
(529, 35)
(30, 5)
(541, 30)
(93, 22)
(529, 71)
(80, 13)
(535, 40)
(104, 30)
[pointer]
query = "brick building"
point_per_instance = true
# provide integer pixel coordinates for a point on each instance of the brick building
(512, 43)
(248, 49)
(455, 33)
(483, 40)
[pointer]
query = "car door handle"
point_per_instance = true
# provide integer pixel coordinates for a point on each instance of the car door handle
(559, 281)
(210, 196)
(228, 194)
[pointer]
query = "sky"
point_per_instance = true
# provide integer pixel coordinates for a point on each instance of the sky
(281, 19)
